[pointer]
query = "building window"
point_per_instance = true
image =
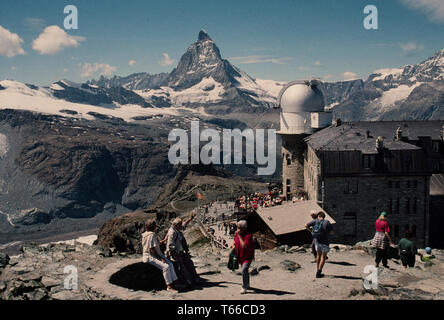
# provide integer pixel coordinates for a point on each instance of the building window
(414, 231)
(351, 187)
(415, 205)
(396, 231)
(288, 185)
(390, 184)
(369, 161)
(350, 224)
(288, 158)
(396, 208)
(407, 206)
(412, 184)
(435, 146)
(397, 184)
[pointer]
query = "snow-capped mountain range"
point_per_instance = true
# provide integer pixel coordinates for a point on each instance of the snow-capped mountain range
(412, 92)
(203, 78)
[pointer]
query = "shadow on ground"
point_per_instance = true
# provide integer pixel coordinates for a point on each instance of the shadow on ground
(344, 277)
(274, 292)
(139, 276)
(342, 263)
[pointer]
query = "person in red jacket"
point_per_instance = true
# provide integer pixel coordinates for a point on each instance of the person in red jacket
(243, 241)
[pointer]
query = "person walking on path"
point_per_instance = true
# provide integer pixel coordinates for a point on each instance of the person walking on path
(314, 216)
(321, 229)
(244, 244)
(407, 250)
(154, 256)
(382, 240)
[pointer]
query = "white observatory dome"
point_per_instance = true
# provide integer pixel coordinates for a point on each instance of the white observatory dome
(301, 96)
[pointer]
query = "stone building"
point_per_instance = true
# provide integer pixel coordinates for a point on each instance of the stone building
(356, 170)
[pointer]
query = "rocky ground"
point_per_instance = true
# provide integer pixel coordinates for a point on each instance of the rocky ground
(283, 273)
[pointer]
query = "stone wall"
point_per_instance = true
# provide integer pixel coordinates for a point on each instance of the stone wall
(356, 202)
(293, 148)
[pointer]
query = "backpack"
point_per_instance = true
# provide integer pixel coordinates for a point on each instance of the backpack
(233, 264)
(317, 229)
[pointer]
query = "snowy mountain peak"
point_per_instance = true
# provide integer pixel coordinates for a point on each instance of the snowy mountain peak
(203, 36)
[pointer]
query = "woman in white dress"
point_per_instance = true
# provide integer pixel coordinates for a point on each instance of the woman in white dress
(154, 256)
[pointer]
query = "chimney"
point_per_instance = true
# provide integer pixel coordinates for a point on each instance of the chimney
(398, 135)
(338, 122)
(379, 143)
(367, 133)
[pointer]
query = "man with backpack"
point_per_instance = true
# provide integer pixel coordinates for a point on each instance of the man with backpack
(320, 228)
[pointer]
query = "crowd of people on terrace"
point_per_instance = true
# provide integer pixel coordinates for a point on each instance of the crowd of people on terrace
(272, 198)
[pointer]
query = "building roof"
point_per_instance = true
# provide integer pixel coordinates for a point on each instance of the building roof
(301, 96)
(351, 136)
(291, 217)
(437, 184)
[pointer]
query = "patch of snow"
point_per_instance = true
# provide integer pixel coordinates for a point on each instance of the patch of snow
(198, 93)
(331, 106)
(386, 72)
(18, 96)
(271, 87)
(56, 87)
(396, 94)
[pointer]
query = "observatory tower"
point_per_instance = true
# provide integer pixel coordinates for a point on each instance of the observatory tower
(302, 113)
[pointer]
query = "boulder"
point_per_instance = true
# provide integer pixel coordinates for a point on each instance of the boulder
(67, 295)
(38, 294)
(49, 282)
(124, 233)
(290, 265)
(30, 217)
(340, 247)
(283, 248)
(264, 267)
(300, 249)
(4, 260)
(105, 252)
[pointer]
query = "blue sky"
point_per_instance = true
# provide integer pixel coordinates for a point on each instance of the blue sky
(279, 40)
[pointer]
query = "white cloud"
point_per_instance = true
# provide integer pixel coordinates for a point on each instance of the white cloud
(65, 70)
(54, 39)
(87, 70)
(13, 68)
(166, 61)
(10, 43)
(349, 75)
(327, 77)
(131, 63)
(317, 63)
(34, 24)
(411, 47)
(434, 9)
(259, 59)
